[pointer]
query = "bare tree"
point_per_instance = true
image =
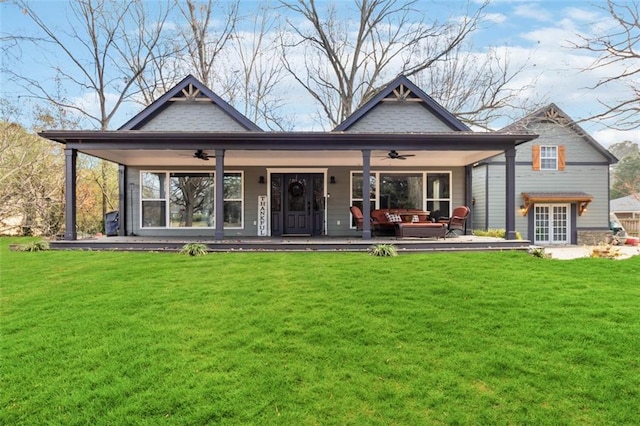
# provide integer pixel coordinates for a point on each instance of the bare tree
(481, 88)
(105, 47)
(346, 62)
(202, 44)
(253, 78)
(101, 37)
(618, 53)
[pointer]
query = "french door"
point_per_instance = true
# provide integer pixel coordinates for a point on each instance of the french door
(552, 223)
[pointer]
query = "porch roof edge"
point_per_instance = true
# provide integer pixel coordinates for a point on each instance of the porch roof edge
(330, 140)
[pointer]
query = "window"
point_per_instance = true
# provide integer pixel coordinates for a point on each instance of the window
(191, 200)
(154, 204)
(357, 195)
(233, 200)
(397, 190)
(186, 199)
(401, 191)
(548, 158)
(439, 194)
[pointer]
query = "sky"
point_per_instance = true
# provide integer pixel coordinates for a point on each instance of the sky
(534, 35)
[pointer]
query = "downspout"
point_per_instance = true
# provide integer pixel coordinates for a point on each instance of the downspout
(122, 200)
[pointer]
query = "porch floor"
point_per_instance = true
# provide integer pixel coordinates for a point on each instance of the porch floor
(136, 243)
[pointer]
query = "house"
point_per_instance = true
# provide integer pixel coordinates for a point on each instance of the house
(192, 166)
(627, 212)
(562, 183)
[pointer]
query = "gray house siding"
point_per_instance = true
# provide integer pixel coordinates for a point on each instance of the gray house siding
(399, 117)
(478, 192)
(195, 117)
(587, 170)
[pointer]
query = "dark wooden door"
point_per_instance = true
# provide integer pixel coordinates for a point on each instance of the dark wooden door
(298, 192)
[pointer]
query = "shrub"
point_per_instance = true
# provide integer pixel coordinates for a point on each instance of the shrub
(40, 245)
(194, 249)
(383, 250)
(495, 233)
(539, 252)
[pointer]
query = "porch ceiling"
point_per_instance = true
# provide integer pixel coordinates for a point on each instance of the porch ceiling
(140, 148)
(379, 158)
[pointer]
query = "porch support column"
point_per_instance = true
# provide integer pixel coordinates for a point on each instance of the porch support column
(510, 194)
(122, 200)
(70, 174)
(468, 198)
(219, 198)
(366, 194)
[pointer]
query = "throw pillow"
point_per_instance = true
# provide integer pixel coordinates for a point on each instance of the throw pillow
(393, 218)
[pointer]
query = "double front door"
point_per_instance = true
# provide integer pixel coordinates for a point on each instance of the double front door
(297, 204)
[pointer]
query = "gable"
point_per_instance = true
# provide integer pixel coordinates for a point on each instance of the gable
(399, 117)
(402, 107)
(557, 128)
(190, 106)
(192, 116)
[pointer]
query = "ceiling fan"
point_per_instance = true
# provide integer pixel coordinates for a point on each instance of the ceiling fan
(395, 155)
(200, 154)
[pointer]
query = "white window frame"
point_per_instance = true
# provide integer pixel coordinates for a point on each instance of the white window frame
(548, 153)
(167, 198)
(377, 174)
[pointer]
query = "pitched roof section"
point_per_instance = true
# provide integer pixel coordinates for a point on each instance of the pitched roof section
(553, 114)
(402, 89)
(189, 89)
(630, 203)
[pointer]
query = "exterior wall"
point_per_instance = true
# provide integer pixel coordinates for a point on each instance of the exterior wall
(195, 117)
(252, 189)
(400, 117)
(479, 194)
(586, 171)
(338, 217)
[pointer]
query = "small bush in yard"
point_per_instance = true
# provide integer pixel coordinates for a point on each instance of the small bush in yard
(383, 250)
(194, 249)
(496, 233)
(539, 252)
(34, 246)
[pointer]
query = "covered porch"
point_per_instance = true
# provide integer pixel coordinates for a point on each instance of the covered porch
(135, 150)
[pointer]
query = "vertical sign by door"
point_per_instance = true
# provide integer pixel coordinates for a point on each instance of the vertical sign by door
(262, 215)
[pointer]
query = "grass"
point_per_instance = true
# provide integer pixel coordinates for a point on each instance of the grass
(317, 338)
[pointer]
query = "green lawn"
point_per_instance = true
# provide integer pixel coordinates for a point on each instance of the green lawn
(317, 338)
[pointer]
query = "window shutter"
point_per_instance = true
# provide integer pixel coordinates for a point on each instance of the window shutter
(561, 157)
(535, 161)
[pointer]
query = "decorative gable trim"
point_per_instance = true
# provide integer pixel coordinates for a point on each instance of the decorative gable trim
(190, 89)
(403, 90)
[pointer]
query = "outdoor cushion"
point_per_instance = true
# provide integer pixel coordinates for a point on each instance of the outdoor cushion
(393, 217)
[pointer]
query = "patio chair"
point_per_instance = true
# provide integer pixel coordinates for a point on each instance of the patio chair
(357, 216)
(457, 220)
